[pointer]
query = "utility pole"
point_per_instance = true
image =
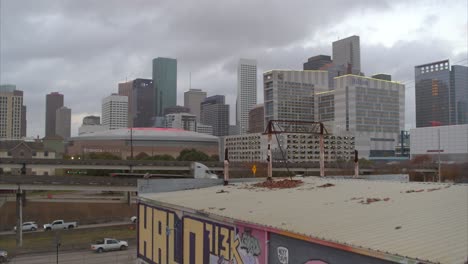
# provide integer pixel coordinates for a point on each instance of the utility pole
(131, 142)
(270, 159)
(322, 152)
(438, 151)
(226, 167)
(19, 218)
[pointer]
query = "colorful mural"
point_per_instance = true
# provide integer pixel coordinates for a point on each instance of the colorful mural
(166, 236)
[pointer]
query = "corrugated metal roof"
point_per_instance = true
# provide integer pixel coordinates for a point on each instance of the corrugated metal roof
(427, 225)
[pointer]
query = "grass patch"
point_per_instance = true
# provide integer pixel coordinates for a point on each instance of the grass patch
(69, 239)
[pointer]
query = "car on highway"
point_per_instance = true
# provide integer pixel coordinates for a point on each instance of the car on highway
(60, 224)
(28, 226)
(3, 256)
(134, 219)
(109, 244)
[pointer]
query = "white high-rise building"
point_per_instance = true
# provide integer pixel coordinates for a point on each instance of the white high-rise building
(347, 51)
(246, 92)
(373, 110)
(289, 94)
(115, 111)
(11, 106)
(193, 99)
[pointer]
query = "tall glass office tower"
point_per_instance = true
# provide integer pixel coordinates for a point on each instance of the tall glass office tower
(165, 84)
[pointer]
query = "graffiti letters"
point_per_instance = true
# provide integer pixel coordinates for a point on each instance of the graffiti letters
(166, 238)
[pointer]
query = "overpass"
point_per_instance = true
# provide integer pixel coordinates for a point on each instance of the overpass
(153, 165)
(68, 183)
(143, 165)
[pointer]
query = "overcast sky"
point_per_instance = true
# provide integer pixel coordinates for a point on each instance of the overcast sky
(84, 48)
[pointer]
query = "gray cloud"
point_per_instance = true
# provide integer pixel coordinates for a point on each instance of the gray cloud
(84, 48)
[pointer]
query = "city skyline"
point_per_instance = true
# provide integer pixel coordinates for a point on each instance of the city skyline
(101, 64)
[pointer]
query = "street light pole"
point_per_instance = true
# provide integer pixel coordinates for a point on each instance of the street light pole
(438, 151)
(131, 142)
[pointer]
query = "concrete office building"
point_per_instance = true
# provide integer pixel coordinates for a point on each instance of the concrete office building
(289, 95)
(441, 94)
(24, 122)
(204, 129)
(140, 93)
(125, 89)
(215, 113)
(373, 110)
(257, 119)
(165, 84)
(11, 112)
(451, 141)
(63, 122)
(193, 99)
(296, 147)
(317, 62)
(246, 92)
(459, 83)
(233, 130)
(115, 111)
(183, 121)
(53, 102)
(347, 52)
(325, 106)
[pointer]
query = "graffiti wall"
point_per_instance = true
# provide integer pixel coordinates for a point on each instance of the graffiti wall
(286, 250)
(175, 237)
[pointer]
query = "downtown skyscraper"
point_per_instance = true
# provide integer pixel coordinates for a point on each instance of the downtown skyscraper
(140, 93)
(53, 102)
(347, 52)
(63, 122)
(441, 94)
(165, 84)
(193, 99)
(12, 117)
(215, 113)
(246, 92)
(115, 111)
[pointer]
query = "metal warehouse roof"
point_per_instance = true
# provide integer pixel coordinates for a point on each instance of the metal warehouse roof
(147, 133)
(415, 220)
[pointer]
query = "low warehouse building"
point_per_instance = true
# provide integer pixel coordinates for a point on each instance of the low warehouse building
(450, 141)
(321, 221)
(151, 141)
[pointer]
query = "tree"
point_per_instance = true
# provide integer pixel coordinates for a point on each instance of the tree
(192, 155)
(103, 156)
(421, 160)
(214, 157)
(164, 157)
(141, 156)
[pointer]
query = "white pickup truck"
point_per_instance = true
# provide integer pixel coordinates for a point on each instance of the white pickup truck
(109, 244)
(60, 224)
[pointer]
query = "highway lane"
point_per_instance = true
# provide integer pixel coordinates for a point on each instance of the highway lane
(79, 227)
(79, 257)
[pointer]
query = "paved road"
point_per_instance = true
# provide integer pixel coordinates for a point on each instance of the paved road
(79, 257)
(79, 227)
